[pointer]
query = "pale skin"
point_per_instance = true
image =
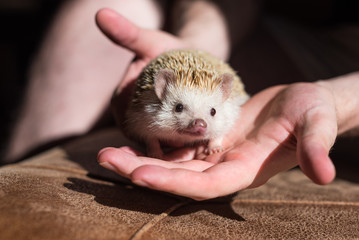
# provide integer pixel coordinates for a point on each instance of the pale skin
(280, 128)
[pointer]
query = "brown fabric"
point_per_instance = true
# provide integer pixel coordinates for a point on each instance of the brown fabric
(52, 196)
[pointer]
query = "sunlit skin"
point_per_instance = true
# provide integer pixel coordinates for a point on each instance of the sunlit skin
(279, 128)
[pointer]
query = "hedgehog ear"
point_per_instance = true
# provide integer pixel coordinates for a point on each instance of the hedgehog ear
(163, 78)
(226, 85)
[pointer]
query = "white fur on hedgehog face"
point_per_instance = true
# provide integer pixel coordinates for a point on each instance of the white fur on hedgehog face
(197, 104)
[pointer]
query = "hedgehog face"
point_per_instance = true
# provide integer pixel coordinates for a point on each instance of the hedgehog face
(192, 114)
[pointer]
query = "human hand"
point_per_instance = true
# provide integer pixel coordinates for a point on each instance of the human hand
(279, 128)
(144, 43)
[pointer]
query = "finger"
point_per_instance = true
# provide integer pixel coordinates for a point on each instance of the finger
(315, 140)
(124, 161)
(123, 32)
(219, 180)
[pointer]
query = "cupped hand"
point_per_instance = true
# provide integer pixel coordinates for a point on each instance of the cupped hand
(279, 128)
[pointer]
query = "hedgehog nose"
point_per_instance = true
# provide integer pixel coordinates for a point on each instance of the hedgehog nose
(198, 126)
(199, 123)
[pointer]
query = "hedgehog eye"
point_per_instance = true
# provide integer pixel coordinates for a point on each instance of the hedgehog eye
(179, 107)
(213, 112)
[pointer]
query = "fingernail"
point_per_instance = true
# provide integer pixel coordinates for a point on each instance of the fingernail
(103, 150)
(108, 166)
(128, 150)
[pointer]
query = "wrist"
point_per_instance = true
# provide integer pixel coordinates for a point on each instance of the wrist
(202, 26)
(345, 90)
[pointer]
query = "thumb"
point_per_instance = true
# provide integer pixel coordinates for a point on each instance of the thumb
(121, 31)
(315, 139)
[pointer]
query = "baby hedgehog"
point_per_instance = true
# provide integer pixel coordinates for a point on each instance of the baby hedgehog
(184, 97)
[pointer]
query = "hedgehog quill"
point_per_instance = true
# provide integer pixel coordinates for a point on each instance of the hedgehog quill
(182, 98)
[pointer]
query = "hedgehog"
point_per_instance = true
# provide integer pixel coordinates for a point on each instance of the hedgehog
(184, 98)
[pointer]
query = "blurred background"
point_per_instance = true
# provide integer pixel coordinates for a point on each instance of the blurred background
(22, 24)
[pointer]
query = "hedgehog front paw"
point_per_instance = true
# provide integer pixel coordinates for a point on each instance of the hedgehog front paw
(214, 150)
(214, 146)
